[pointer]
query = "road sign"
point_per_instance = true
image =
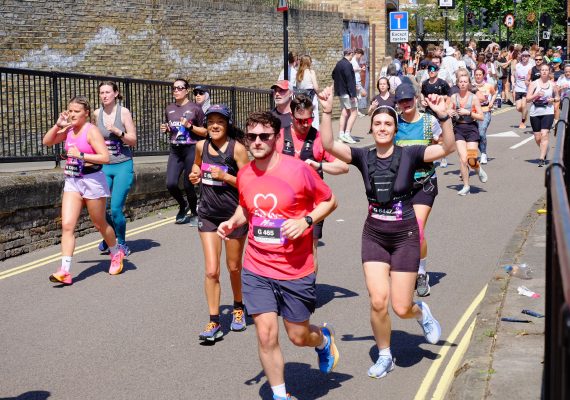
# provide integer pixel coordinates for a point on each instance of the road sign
(446, 3)
(398, 36)
(282, 5)
(509, 20)
(546, 35)
(399, 21)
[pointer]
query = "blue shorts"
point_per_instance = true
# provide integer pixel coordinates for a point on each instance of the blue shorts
(294, 300)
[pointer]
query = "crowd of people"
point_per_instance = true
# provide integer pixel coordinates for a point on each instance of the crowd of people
(426, 107)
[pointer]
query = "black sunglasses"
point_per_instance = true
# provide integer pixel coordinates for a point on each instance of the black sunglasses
(264, 137)
(198, 92)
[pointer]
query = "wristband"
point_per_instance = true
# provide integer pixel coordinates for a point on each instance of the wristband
(327, 112)
(122, 134)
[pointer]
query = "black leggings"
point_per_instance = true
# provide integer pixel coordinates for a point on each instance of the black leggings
(180, 160)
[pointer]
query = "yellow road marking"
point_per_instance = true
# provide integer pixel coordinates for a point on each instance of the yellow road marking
(79, 249)
(432, 372)
(449, 372)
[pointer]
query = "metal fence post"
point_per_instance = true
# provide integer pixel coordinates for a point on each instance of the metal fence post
(56, 111)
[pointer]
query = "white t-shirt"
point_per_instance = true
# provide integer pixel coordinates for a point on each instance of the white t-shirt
(356, 68)
(292, 77)
(563, 84)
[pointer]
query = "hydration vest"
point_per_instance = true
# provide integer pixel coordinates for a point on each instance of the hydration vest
(306, 150)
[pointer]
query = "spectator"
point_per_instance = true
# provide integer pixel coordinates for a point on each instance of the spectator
(307, 83)
(292, 69)
(449, 63)
(345, 88)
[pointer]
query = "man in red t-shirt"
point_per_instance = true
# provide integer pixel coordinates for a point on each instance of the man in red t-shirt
(280, 197)
(302, 141)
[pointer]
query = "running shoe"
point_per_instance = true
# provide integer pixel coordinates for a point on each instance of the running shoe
(328, 356)
(212, 332)
(61, 276)
(464, 191)
(422, 285)
(482, 175)
(349, 139)
(182, 217)
(193, 220)
(117, 262)
(522, 125)
(126, 250)
(288, 397)
(483, 158)
(238, 320)
(103, 247)
(430, 326)
(540, 163)
(443, 163)
(384, 365)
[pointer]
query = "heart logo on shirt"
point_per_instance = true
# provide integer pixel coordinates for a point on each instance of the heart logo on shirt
(263, 202)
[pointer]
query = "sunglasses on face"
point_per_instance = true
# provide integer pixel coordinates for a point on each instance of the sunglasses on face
(304, 121)
(199, 93)
(178, 88)
(538, 59)
(280, 91)
(432, 69)
(264, 137)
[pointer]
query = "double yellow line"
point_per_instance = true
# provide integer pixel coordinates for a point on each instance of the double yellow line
(449, 372)
(79, 249)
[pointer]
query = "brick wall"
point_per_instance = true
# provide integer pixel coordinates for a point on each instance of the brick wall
(30, 206)
(213, 42)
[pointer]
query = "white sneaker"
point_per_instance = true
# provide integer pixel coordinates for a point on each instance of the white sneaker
(483, 158)
(443, 163)
(341, 137)
(349, 139)
(482, 175)
(464, 191)
(430, 326)
(360, 115)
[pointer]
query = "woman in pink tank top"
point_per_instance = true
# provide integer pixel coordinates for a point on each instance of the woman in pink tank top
(85, 183)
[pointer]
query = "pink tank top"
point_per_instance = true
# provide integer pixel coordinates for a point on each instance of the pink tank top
(80, 141)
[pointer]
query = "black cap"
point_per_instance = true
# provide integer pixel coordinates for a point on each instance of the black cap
(405, 91)
(201, 89)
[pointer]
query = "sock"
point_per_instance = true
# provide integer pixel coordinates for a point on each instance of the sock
(215, 318)
(323, 344)
(421, 317)
(114, 250)
(238, 305)
(422, 269)
(66, 263)
(340, 133)
(279, 390)
(385, 352)
(347, 133)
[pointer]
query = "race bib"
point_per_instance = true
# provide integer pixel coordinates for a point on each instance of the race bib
(207, 174)
(393, 213)
(74, 167)
(114, 147)
(268, 230)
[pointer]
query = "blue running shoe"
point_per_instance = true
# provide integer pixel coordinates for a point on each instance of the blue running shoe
(126, 249)
(288, 397)
(238, 320)
(381, 368)
(328, 356)
(103, 247)
(212, 332)
(430, 326)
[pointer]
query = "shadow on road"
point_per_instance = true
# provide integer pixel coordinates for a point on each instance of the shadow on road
(435, 277)
(33, 395)
(101, 266)
(474, 189)
(303, 381)
(327, 293)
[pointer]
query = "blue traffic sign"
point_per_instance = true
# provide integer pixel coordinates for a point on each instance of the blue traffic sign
(399, 21)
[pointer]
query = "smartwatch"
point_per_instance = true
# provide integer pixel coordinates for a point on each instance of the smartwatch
(309, 220)
(82, 156)
(444, 118)
(122, 133)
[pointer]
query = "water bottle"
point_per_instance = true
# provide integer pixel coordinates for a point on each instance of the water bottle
(521, 271)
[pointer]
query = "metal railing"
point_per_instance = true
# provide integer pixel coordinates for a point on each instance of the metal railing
(556, 382)
(30, 103)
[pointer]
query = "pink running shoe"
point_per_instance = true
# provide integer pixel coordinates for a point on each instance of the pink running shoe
(61, 276)
(117, 262)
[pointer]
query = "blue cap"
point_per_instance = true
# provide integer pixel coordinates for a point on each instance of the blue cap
(221, 109)
(404, 92)
(556, 60)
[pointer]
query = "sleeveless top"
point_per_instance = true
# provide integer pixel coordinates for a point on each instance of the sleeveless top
(540, 106)
(464, 119)
(75, 167)
(416, 133)
(521, 72)
(306, 83)
(219, 200)
(118, 151)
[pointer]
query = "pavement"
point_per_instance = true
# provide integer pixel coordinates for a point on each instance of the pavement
(495, 359)
(505, 359)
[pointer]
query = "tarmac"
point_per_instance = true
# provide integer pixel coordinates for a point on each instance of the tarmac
(503, 359)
